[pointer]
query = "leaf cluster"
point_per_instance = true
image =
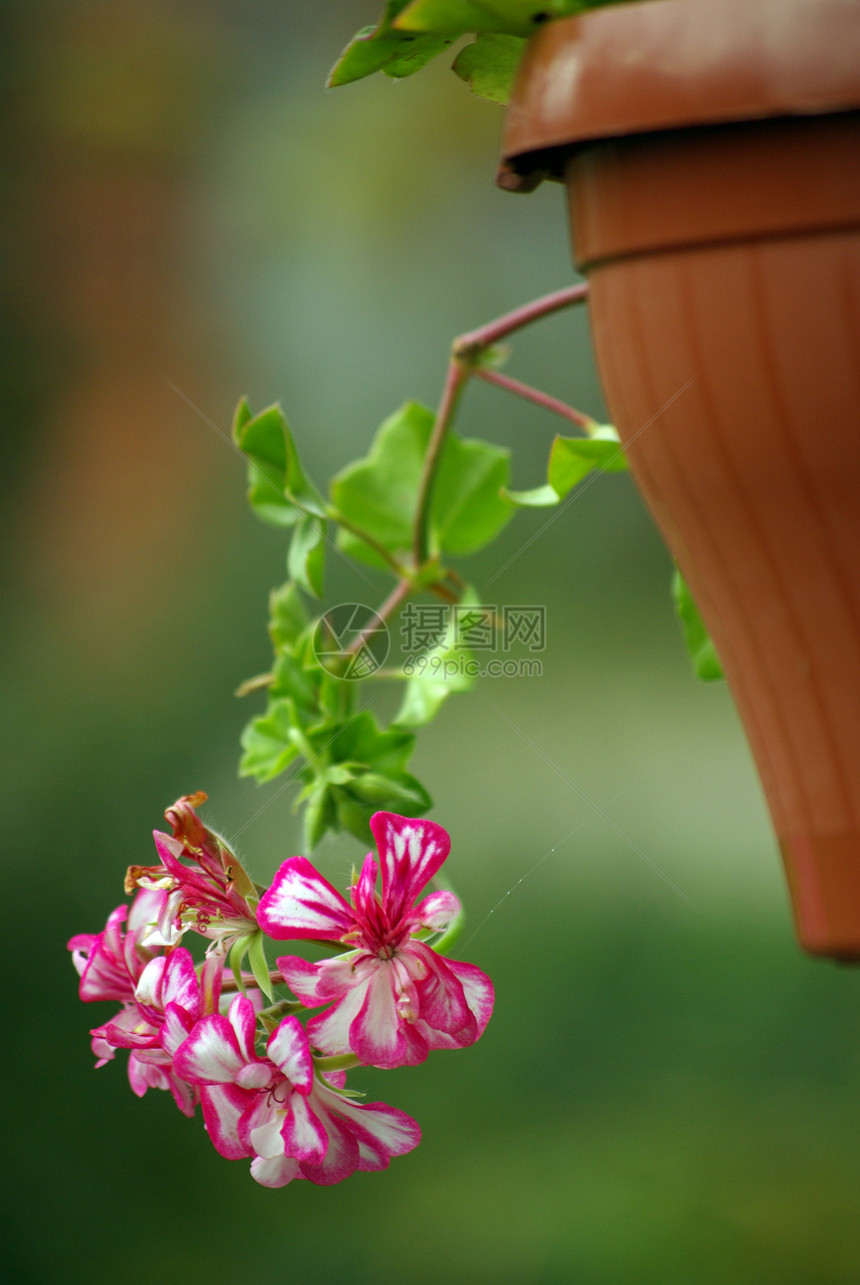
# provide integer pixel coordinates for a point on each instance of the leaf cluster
(412, 32)
(421, 496)
(350, 766)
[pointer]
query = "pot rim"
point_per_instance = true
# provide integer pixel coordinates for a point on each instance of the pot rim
(660, 65)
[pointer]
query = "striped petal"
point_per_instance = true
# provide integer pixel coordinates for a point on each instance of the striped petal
(211, 1054)
(381, 1131)
(223, 1108)
(301, 904)
(410, 853)
(320, 983)
(374, 1034)
(441, 999)
(288, 1049)
(242, 1017)
(436, 911)
(105, 975)
(341, 1157)
(303, 1133)
(478, 990)
(180, 984)
(330, 1031)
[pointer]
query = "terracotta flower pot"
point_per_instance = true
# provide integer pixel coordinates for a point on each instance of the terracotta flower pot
(712, 159)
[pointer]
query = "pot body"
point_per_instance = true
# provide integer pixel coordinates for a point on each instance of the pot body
(724, 267)
(728, 345)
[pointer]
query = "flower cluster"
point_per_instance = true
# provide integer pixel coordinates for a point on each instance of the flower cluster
(272, 1089)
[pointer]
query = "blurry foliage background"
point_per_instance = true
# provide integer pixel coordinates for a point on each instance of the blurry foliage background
(667, 1090)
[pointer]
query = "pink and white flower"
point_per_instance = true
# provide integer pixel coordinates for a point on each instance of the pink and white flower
(275, 1110)
(110, 962)
(392, 998)
(205, 886)
(161, 997)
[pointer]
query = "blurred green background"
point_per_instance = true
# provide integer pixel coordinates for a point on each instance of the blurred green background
(668, 1089)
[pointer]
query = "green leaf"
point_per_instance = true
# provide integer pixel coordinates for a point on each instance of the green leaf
(237, 953)
(242, 416)
(437, 674)
(367, 52)
(292, 680)
(467, 510)
(703, 653)
(259, 966)
(266, 742)
(361, 742)
(454, 17)
(397, 53)
(287, 615)
(306, 558)
(320, 816)
(413, 53)
(540, 497)
(373, 792)
(402, 794)
(490, 64)
(570, 462)
(380, 492)
(573, 458)
(261, 438)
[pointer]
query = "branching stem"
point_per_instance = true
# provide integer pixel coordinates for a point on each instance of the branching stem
(486, 336)
(519, 389)
(466, 353)
(395, 599)
(455, 382)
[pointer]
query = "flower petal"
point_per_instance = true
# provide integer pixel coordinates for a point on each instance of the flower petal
(478, 989)
(364, 892)
(341, 1157)
(261, 1128)
(211, 1053)
(288, 1049)
(105, 975)
(147, 992)
(318, 983)
(176, 1028)
(436, 910)
(223, 1107)
(330, 1031)
(180, 984)
(184, 1095)
(374, 1034)
(441, 999)
(301, 904)
(276, 1172)
(143, 1076)
(243, 1019)
(381, 1131)
(410, 852)
(303, 1133)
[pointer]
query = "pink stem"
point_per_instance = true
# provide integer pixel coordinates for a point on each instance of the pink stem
(534, 395)
(455, 381)
(399, 594)
(524, 316)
